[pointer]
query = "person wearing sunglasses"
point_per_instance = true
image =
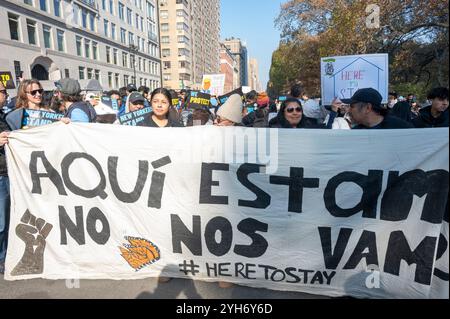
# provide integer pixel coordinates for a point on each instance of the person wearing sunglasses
(30, 96)
(291, 115)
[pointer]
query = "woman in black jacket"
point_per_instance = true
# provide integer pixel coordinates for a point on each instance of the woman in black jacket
(291, 116)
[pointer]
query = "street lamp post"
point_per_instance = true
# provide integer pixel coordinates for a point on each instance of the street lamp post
(133, 51)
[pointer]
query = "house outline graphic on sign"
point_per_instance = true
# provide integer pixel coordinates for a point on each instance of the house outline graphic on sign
(357, 59)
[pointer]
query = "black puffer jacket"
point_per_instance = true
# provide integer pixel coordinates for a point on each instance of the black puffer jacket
(426, 120)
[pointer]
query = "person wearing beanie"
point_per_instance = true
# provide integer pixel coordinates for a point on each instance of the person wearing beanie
(230, 113)
(78, 111)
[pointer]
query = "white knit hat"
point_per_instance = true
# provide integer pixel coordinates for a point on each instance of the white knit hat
(232, 109)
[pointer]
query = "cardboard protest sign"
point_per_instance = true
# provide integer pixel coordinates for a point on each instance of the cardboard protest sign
(7, 80)
(262, 208)
(33, 118)
(198, 100)
(342, 76)
(224, 98)
(213, 84)
(136, 118)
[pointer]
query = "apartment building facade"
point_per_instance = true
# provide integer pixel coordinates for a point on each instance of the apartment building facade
(228, 66)
(239, 51)
(113, 41)
(189, 41)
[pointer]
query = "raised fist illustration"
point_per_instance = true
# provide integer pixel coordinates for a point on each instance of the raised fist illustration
(33, 231)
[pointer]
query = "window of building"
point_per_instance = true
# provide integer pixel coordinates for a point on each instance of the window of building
(121, 11)
(165, 39)
(151, 9)
(165, 53)
(94, 50)
(29, 2)
(116, 80)
(92, 21)
(31, 28)
(105, 27)
(124, 59)
(167, 77)
(87, 48)
(84, 17)
(125, 80)
(164, 27)
(76, 14)
(57, 7)
(104, 5)
(81, 72)
(90, 73)
(129, 16)
(123, 36)
(79, 46)
(14, 26)
(66, 73)
(60, 37)
(43, 5)
(108, 55)
(111, 7)
(115, 57)
(130, 38)
(97, 75)
(166, 65)
(110, 79)
(164, 14)
(113, 31)
(47, 30)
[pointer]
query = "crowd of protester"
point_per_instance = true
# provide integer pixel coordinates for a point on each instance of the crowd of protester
(296, 111)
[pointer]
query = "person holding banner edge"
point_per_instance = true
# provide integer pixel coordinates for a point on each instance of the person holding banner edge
(4, 183)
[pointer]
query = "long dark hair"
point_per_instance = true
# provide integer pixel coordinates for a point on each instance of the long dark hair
(281, 119)
(164, 92)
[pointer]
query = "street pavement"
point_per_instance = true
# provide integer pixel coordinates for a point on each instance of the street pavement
(136, 289)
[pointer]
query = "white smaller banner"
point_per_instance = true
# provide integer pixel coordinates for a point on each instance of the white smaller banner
(213, 84)
(342, 76)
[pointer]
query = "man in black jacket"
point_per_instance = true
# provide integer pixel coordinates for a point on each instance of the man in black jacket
(366, 111)
(435, 115)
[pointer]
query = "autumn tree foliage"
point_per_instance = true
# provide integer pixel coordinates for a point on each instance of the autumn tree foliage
(414, 34)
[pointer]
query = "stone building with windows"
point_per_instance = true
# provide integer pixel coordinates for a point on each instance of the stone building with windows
(113, 41)
(190, 32)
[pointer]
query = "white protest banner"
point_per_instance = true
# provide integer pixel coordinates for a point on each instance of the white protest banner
(295, 210)
(213, 84)
(342, 76)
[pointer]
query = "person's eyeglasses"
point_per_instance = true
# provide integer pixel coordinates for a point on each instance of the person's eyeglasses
(34, 92)
(292, 109)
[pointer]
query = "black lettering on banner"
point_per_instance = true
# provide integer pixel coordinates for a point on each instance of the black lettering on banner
(296, 183)
(259, 244)
(136, 193)
(224, 226)
(99, 190)
(207, 183)
(51, 173)
(442, 248)
(157, 185)
(76, 231)
(371, 185)
(290, 272)
(93, 216)
(262, 200)
(423, 256)
(398, 197)
(332, 258)
(367, 241)
(181, 234)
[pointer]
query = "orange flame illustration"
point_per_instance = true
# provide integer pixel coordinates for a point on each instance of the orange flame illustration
(140, 252)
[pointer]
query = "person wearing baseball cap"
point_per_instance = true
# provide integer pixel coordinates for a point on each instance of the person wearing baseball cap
(367, 112)
(68, 90)
(137, 101)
